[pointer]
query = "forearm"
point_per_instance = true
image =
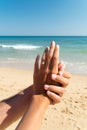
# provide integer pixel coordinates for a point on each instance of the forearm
(12, 108)
(34, 114)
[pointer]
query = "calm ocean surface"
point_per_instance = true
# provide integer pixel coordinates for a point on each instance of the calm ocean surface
(20, 51)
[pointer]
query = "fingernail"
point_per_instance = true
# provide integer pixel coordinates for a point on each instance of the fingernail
(57, 46)
(46, 87)
(62, 62)
(53, 76)
(53, 42)
(64, 66)
(60, 73)
(48, 93)
(47, 47)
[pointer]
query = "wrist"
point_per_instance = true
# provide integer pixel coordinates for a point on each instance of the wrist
(41, 99)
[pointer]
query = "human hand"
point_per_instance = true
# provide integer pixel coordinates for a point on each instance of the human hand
(41, 71)
(55, 93)
(50, 73)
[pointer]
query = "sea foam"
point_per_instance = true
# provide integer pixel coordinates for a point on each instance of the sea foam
(21, 47)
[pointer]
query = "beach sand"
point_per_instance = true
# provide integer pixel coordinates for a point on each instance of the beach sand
(70, 114)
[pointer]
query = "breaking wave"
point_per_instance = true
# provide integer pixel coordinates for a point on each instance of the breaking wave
(21, 47)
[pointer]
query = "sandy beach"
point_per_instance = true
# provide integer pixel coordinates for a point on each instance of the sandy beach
(70, 114)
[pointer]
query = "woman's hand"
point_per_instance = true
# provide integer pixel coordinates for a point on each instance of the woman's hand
(42, 70)
(50, 74)
(55, 93)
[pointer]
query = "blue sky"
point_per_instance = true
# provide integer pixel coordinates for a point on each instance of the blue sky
(43, 17)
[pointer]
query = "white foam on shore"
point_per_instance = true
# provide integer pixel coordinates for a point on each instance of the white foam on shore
(76, 67)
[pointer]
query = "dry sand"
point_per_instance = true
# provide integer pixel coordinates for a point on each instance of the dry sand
(70, 114)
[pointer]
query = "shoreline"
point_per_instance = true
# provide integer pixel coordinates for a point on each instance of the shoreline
(31, 68)
(71, 113)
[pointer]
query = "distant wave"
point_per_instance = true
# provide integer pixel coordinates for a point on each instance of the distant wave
(21, 47)
(76, 67)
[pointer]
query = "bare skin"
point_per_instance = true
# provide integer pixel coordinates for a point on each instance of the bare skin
(40, 101)
(10, 108)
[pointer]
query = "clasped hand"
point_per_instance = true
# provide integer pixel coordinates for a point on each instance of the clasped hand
(49, 77)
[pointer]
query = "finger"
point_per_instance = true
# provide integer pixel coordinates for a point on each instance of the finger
(55, 60)
(50, 54)
(61, 66)
(36, 65)
(66, 74)
(60, 79)
(54, 97)
(55, 89)
(43, 59)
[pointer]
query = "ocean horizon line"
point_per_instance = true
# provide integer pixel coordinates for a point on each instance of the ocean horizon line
(43, 35)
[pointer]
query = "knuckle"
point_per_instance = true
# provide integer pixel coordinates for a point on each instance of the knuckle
(50, 56)
(55, 57)
(46, 71)
(62, 92)
(66, 84)
(59, 100)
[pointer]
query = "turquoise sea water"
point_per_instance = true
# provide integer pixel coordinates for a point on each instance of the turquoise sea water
(20, 51)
